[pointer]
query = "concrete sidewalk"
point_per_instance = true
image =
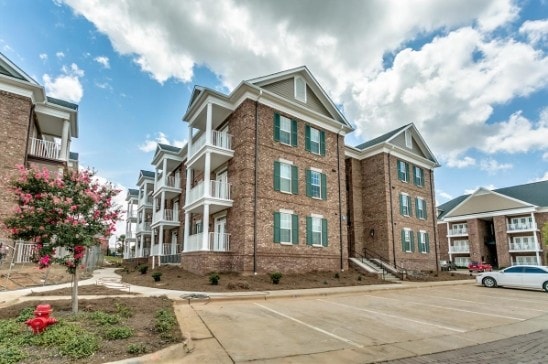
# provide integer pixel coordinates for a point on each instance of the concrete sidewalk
(200, 345)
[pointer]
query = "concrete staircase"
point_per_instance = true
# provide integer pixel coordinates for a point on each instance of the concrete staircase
(376, 267)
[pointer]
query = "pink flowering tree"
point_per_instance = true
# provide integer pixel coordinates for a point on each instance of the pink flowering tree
(71, 210)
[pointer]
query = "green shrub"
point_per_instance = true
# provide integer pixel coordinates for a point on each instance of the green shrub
(80, 346)
(123, 310)
(25, 314)
(9, 329)
(275, 277)
(337, 276)
(143, 268)
(136, 349)
(214, 278)
(10, 354)
(103, 318)
(164, 321)
(156, 276)
(117, 333)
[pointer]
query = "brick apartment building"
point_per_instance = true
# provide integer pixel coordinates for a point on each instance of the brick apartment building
(502, 227)
(262, 185)
(36, 130)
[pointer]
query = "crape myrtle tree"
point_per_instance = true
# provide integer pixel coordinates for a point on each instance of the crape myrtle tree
(69, 210)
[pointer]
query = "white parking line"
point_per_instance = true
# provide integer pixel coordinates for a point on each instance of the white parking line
(479, 302)
(311, 326)
(394, 316)
(513, 298)
(451, 308)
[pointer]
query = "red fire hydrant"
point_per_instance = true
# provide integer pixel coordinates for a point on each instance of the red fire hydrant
(41, 319)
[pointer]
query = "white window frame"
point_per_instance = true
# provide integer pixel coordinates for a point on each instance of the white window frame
(407, 236)
(318, 185)
(422, 203)
(402, 168)
(300, 89)
(286, 168)
(421, 179)
(316, 222)
(286, 219)
(315, 141)
(406, 202)
(422, 242)
(285, 130)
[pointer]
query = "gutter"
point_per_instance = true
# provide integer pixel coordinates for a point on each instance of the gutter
(391, 210)
(256, 161)
(340, 206)
(434, 218)
(28, 136)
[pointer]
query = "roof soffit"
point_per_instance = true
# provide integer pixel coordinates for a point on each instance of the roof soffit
(484, 200)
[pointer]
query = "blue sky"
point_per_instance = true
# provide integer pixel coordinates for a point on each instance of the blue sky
(472, 75)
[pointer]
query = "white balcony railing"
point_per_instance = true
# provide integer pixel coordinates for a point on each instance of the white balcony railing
(218, 242)
(44, 149)
(524, 247)
(145, 201)
(143, 226)
(522, 226)
(458, 231)
(459, 249)
(218, 139)
(531, 260)
(170, 249)
(166, 215)
(169, 181)
(217, 189)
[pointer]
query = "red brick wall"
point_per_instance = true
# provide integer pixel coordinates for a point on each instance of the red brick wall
(14, 116)
(443, 242)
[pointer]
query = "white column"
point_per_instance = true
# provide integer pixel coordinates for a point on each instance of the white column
(186, 231)
(207, 174)
(164, 172)
(65, 141)
(209, 123)
(189, 143)
(535, 240)
(449, 244)
(205, 229)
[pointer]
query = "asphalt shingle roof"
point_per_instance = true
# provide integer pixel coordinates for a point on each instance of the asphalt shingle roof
(68, 105)
(169, 148)
(147, 173)
(380, 139)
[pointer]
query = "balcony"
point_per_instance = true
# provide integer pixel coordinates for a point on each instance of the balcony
(131, 215)
(170, 249)
(524, 247)
(217, 242)
(145, 201)
(218, 197)
(44, 149)
(170, 184)
(130, 235)
(166, 217)
(457, 232)
(459, 249)
(144, 227)
(220, 148)
(530, 226)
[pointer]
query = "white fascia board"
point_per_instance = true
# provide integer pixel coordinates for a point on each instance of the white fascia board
(511, 212)
(34, 92)
(392, 150)
(56, 113)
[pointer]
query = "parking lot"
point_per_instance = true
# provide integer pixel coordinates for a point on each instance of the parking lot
(368, 326)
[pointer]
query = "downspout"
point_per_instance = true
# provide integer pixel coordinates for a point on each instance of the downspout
(391, 209)
(28, 136)
(340, 198)
(434, 220)
(255, 182)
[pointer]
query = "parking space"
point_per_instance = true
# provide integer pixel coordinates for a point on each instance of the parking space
(372, 326)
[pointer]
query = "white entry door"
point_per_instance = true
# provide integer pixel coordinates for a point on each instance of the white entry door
(221, 186)
(220, 240)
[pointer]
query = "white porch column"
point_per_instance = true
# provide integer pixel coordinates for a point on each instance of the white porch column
(189, 143)
(449, 244)
(207, 174)
(209, 123)
(186, 231)
(205, 228)
(535, 239)
(164, 173)
(65, 141)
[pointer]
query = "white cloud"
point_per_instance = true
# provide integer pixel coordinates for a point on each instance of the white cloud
(103, 85)
(103, 61)
(535, 30)
(542, 178)
(453, 161)
(43, 56)
(66, 86)
(444, 195)
(545, 156)
(150, 143)
(469, 191)
(491, 166)
(60, 55)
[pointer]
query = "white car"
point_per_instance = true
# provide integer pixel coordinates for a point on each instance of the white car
(520, 276)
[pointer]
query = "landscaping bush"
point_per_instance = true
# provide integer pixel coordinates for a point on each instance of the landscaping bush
(137, 349)
(103, 318)
(214, 278)
(143, 269)
(117, 333)
(157, 276)
(275, 277)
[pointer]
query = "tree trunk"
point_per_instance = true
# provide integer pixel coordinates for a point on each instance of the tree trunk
(75, 291)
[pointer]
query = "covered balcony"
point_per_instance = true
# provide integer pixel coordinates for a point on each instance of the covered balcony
(218, 196)
(47, 149)
(458, 231)
(460, 247)
(144, 226)
(522, 226)
(524, 247)
(165, 217)
(216, 242)
(218, 145)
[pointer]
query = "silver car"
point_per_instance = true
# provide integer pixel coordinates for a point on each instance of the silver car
(519, 276)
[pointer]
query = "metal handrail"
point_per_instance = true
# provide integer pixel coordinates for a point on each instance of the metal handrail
(400, 271)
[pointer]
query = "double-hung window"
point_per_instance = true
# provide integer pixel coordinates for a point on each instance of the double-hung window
(316, 184)
(285, 177)
(418, 176)
(407, 243)
(316, 230)
(286, 228)
(314, 140)
(405, 204)
(403, 171)
(420, 208)
(285, 130)
(423, 242)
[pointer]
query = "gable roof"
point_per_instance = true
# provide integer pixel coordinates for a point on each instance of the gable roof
(527, 195)
(394, 141)
(10, 69)
(148, 174)
(167, 148)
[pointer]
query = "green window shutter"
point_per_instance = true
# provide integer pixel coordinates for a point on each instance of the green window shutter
(295, 229)
(277, 227)
(403, 240)
(324, 232)
(417, 208)
(419, 241)
(308, 230)
(415, 177)
(407, 172)
(412, 237)
(400, 173)
(308, 183)
(294, 133)
(401, 203)
(427, 242)
(322, 142)
(294, 180)
(277, 127)
(410, 212)
(276, 176)
(307, 138)
(324, 186)
(424, 212)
